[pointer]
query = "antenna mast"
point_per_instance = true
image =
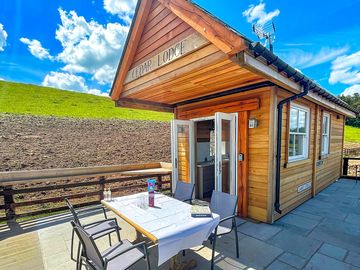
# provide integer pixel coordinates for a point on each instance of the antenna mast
(265, 31)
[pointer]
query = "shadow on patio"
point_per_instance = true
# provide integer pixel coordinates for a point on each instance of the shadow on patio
(322, 233)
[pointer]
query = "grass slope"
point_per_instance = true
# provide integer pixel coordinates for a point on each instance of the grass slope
(352, 134)
(29, 99)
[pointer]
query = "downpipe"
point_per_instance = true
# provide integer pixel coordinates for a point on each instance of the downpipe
(278, 144)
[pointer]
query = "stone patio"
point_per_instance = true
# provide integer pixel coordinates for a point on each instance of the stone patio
(323, 233)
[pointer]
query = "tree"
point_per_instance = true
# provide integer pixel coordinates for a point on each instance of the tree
(354, 101)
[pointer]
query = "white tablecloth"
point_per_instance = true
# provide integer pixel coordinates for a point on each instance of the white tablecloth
(169, 221)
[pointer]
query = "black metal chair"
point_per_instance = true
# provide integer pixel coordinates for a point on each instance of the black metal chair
(184, 191)
(96, 229)
(120, 256)
(224, 205)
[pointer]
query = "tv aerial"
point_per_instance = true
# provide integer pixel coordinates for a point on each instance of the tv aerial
(265, 31)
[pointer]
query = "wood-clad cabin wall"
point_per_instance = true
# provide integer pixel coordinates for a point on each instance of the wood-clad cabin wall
(319, 173)
(258, 146)
(329, 169)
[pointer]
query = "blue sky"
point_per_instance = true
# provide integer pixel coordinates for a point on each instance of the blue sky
(76, 45)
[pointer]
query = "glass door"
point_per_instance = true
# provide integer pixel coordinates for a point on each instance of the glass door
(182, 151)
(225, 152)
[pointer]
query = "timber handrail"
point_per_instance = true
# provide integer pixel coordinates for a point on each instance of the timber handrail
(123, 178)
(16, 177)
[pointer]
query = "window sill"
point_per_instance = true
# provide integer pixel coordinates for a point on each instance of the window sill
(295, 163)
(324, 156)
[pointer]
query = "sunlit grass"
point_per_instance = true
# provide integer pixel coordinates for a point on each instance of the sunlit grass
(352, 134)
(29, 99)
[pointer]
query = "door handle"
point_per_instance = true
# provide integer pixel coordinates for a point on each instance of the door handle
(176, 163)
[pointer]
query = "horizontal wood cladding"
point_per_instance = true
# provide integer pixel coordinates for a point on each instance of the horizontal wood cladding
(162, 27)
(319, 171)
(329, 171)
(258, 103)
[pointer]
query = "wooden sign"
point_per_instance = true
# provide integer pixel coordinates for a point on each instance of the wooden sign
(183, 47)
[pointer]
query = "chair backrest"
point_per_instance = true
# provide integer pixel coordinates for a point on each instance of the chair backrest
(224, 205)
(91, 252)
(73, 212)
(184, 191)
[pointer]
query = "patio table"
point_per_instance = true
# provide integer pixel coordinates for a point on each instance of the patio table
(168, 224)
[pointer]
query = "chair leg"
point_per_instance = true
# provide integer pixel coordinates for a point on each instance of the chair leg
(183, 253)
(72, 246)
(118, 235)
(110, 239)
(147, 258)
(237, 242)
(213, 253)
(79, 257)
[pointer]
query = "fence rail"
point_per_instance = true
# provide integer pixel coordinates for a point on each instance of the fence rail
(23, 190)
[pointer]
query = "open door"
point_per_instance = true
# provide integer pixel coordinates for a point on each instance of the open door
(225, 152)
(182, 151)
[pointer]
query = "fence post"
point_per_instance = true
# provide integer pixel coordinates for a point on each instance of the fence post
(8, 201)
(159, 177)
(102, 187)
(345, 166)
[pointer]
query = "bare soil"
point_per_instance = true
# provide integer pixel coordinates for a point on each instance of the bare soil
(33, 142)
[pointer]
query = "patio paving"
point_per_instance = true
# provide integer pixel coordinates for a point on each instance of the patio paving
(323, 233)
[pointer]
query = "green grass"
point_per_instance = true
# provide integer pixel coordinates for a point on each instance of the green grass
(29, 99)
(352, 134)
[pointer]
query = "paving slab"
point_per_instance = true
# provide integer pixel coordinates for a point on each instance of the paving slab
(298, 221)
(333, 251)
(323, 262)
(296, 244)
(259, 231)
(353, 219)
(278, 265)
(293, 260)
(341, 234)
(353, 258)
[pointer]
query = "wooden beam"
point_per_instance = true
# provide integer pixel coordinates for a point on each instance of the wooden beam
(144, 105)
(243, 166)
(315, 149)
(215, 31)
(132, 42)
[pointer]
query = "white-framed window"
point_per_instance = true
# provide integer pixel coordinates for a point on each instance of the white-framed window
(298, 133)
(325, 139)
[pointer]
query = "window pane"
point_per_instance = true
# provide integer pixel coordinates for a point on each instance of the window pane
(293, 120)
(302, 121)
(299, 145)
(291, 146)
(325, 125)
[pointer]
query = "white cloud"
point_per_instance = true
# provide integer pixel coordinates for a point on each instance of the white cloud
(36, 49)
(68, 81)
(351, 90)
(346, 69)
(302, 59)
(2, 79)
(257, 14)
(3, 37)
(124, 8)
(89, 47)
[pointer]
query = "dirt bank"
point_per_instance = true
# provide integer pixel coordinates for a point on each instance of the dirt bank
(29, 142)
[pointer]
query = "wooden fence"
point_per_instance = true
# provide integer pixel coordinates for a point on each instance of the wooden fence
(351, 167)
(23, 193)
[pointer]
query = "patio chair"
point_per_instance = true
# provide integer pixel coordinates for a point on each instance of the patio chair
(224, 205)
(97, 229)
(184, 191)
(122, 255)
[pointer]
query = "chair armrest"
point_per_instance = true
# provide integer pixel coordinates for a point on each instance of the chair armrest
(142, 244)
(227, 218)
(88, 209)
(100, 221)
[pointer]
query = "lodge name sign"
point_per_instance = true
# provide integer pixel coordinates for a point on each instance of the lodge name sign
(179, 49)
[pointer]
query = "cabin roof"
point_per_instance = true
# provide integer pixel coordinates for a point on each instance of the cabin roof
(226, 44)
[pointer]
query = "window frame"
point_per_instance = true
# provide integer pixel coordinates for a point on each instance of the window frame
(306, 145)
(325, 114)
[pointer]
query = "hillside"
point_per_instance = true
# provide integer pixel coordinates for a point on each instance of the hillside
(17, 98)
(352, 134)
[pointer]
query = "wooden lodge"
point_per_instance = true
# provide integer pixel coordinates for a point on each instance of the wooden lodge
(245, 121)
